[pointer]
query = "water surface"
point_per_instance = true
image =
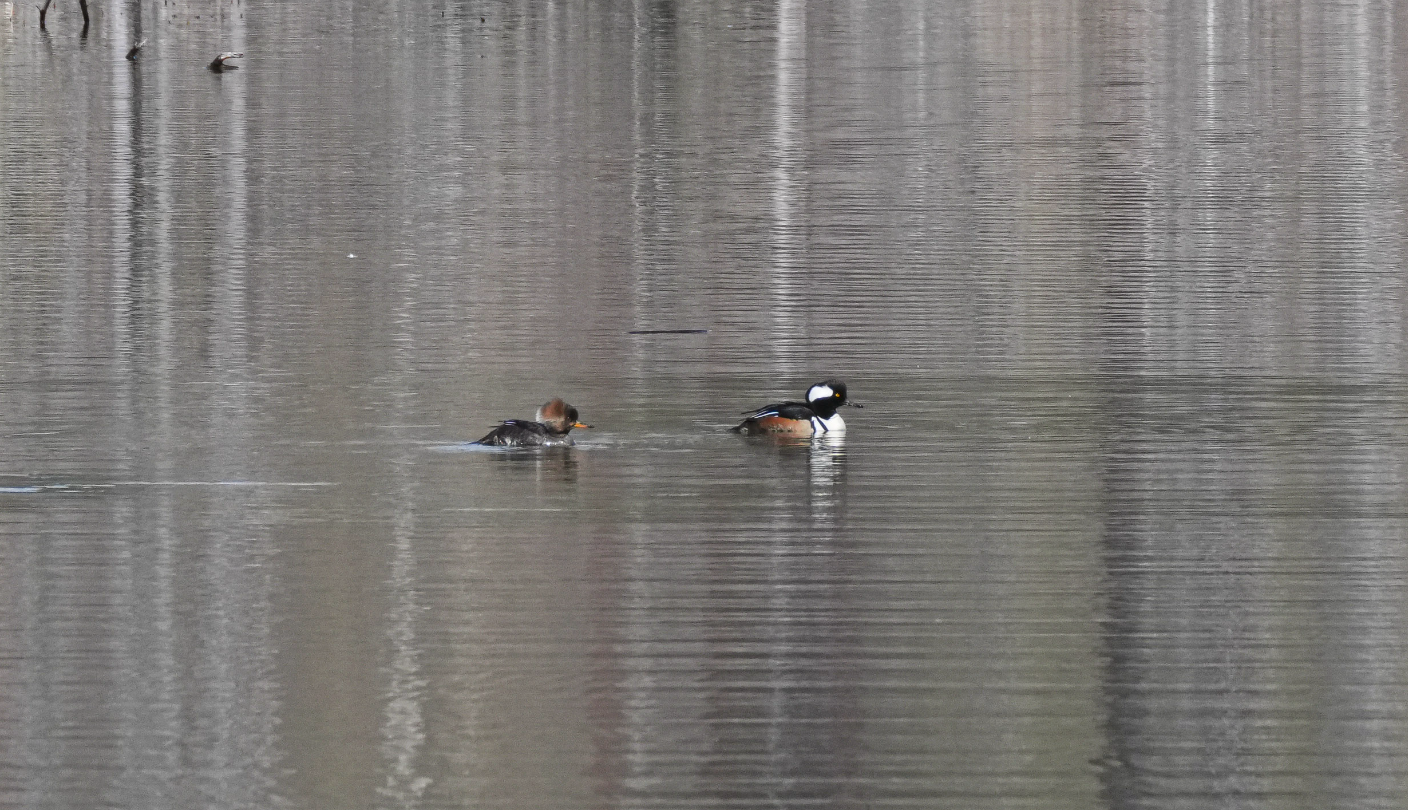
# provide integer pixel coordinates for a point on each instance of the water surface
(1120, 286)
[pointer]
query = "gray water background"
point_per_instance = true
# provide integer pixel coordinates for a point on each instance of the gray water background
(1120, 285)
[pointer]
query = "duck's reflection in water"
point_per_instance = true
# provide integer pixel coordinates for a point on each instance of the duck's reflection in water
(737, 658)
(544, 464)
(826, 472)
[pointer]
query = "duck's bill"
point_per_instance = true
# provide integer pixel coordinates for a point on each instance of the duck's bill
(580, 425)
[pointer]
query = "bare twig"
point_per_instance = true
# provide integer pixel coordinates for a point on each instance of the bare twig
(219, 64)
(43, 10)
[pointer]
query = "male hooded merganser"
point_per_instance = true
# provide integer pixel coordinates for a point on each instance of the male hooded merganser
(550, 428)
(811, 418)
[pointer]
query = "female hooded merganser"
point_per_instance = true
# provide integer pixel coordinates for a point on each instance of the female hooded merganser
(811, 418)
(553, 422)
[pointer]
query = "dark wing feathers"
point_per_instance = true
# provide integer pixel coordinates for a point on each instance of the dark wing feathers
(786, 410)
(516, 431)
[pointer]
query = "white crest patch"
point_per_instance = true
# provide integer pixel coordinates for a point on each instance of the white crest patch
(819, 391)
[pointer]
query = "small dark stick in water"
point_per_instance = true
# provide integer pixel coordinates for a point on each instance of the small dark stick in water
(136, 50)
(43, 10)
(219, 63)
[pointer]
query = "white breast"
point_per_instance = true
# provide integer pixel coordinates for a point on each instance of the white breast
(832, 425)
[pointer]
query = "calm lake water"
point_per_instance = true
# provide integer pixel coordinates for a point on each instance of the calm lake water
(1121, 286)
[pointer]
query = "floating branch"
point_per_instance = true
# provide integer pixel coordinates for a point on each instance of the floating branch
(219, 64)
(136, 50)
(43, 10)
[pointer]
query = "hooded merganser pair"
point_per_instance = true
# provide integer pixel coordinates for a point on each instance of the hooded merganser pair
(549, 428)
(815, 417)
